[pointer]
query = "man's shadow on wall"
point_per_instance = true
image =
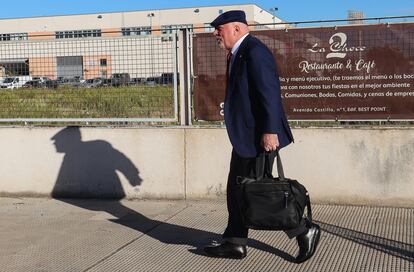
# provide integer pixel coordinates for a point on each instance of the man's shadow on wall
(89, 171)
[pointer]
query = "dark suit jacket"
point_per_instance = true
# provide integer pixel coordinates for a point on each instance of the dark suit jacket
(253, 105)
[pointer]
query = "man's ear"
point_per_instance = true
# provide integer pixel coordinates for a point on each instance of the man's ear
(237, 28)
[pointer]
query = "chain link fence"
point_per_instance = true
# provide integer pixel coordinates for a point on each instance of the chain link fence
(77, 76)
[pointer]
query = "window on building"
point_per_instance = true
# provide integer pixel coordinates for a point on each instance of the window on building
(103, 62)
(168, 29)
(77, 34)
(15, 67)
(136, 31)
(208, 28)
(13, 37)
(261, 26)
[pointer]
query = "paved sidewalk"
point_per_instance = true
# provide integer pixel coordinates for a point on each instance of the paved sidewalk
(90, 235)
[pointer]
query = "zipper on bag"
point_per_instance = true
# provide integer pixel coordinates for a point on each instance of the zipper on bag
(286, 199)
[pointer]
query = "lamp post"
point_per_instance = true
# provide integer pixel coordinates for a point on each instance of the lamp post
(150, 15)
(273, 11)
(102, 70)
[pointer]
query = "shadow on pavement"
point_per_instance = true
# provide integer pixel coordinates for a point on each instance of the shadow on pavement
(392, 247)
(89, 170)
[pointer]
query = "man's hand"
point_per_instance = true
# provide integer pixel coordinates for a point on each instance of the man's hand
(270, 142)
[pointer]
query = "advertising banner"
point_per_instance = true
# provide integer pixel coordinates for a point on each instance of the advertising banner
(352, 72)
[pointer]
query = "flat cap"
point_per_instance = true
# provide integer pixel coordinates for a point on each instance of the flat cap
(228, 17)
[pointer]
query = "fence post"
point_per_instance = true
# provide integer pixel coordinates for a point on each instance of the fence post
(183, 68)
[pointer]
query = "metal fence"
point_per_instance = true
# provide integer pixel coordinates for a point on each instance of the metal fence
(122, 76)
(76, 78)
(358, 72)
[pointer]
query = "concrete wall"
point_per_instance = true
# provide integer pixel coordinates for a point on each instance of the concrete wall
(352, 166)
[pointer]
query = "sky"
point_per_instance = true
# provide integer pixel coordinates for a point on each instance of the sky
(288, 10)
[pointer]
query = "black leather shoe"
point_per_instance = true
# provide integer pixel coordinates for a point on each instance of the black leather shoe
(308, 243)
(226, 250)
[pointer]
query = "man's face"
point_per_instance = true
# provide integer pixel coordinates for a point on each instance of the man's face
(226, 35)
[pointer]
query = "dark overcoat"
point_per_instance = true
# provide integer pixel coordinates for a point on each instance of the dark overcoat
(253, 104)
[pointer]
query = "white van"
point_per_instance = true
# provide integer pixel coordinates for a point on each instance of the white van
(14, 82)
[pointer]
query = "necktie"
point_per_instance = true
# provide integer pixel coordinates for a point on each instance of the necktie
(228, 65)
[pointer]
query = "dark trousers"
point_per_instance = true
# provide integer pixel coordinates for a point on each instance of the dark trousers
(235, 231)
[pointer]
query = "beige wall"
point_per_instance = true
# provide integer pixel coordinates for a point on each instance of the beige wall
(354, 165)
(111, 32)
(32, 165)
(351, 166)
(264, 16)
(251, 25)
(36, 36)
(156, 30)
(198, 28)
(44, 66)
(128, 19)
(92, 66)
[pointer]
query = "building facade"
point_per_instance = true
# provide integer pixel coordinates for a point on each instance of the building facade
(139, 43)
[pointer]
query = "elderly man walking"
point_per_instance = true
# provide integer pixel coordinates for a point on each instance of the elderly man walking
(255, 122)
